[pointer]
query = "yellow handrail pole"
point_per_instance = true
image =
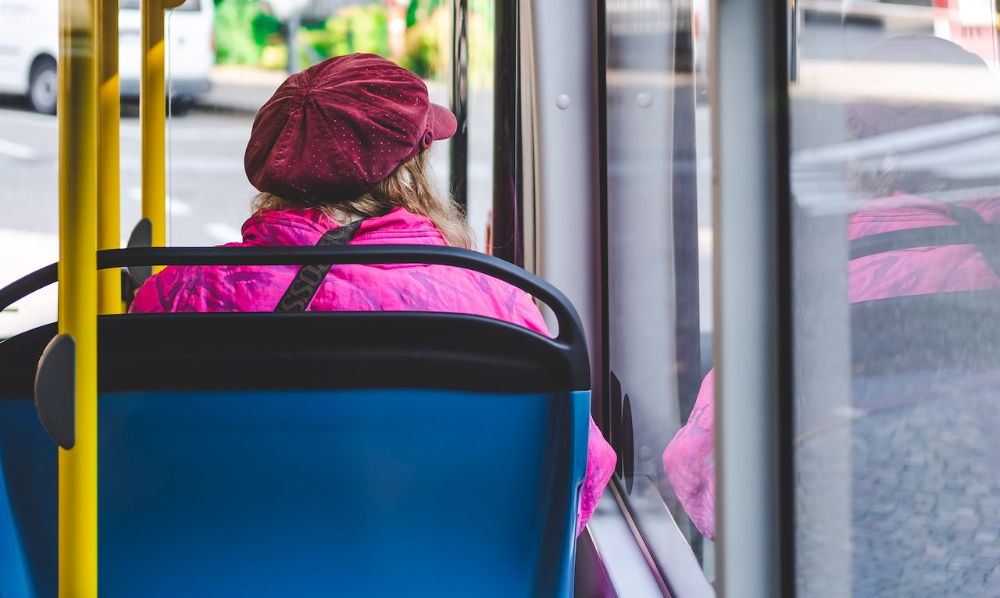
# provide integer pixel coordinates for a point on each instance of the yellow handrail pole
(109, 282)
(152, 117)
(77, 108)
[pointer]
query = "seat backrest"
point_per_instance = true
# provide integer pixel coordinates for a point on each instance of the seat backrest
(314, 454)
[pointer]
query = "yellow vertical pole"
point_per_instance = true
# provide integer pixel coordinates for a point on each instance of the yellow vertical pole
(108, 146)
(152, 117)
(77, 108)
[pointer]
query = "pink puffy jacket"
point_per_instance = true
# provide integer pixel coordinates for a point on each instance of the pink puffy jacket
(394, 287)
(689, 460)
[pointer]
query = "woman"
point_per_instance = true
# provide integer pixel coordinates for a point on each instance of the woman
(344, 144)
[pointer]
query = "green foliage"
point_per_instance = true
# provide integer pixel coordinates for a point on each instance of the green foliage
(481, 43)
(420, 10)
(234, 34)
(266, 30)
(358, 29)
(274, 57)
(427, 44)
(246, 33)
(483, 10)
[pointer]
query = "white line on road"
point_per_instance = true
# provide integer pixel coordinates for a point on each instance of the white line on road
(17, 150)
(20, 117)
(200, 165)
(175, 207)
(132, 132)
(224, 233)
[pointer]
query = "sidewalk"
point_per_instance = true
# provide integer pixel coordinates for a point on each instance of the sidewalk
(240, 88)
(244, 89)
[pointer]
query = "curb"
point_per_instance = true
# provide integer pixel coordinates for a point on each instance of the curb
(239, 89)
(243, 90)
(208, 104)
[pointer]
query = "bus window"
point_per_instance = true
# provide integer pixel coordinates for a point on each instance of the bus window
(658, 255)
(896, 200)
(208, 195)
(29, 148)
(479, 81)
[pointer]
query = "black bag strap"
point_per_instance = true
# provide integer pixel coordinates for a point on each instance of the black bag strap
(300, 293)
(970, 229)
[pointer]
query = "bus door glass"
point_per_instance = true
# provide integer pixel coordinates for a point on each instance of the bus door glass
(208, 122)
(658, 218)
(213, 103)
(895, 211)
(29, 155)
(479, 31)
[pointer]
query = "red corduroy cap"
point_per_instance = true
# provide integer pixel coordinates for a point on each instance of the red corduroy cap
(337, 128)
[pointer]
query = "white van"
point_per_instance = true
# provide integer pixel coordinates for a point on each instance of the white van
(29, 43)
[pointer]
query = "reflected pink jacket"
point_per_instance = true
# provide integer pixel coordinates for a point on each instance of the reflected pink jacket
(689, 460)
(395, 287)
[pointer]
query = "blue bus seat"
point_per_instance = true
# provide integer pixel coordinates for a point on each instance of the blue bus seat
(315, 454)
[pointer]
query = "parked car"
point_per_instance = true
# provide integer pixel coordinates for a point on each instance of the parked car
(29, 50)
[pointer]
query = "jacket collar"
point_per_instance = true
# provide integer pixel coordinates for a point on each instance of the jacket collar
(306, 226)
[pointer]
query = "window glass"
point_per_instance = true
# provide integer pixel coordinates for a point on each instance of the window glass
(480, 86)
(658, 250)
(209, 196)
(29, 156)
(223, 61)
(896, 200)
(188, 4)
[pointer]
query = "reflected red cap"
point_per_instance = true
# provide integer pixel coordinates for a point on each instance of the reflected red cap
(337, 128)
(867, 117)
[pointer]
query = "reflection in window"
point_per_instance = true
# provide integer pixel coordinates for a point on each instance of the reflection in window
(897, 200)
(655, 211)
(896, 205)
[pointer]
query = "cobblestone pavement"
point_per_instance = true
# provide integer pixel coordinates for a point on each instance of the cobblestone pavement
(914, 509)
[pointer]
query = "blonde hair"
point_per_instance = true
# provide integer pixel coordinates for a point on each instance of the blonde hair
(881, 178)
(407, 187)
